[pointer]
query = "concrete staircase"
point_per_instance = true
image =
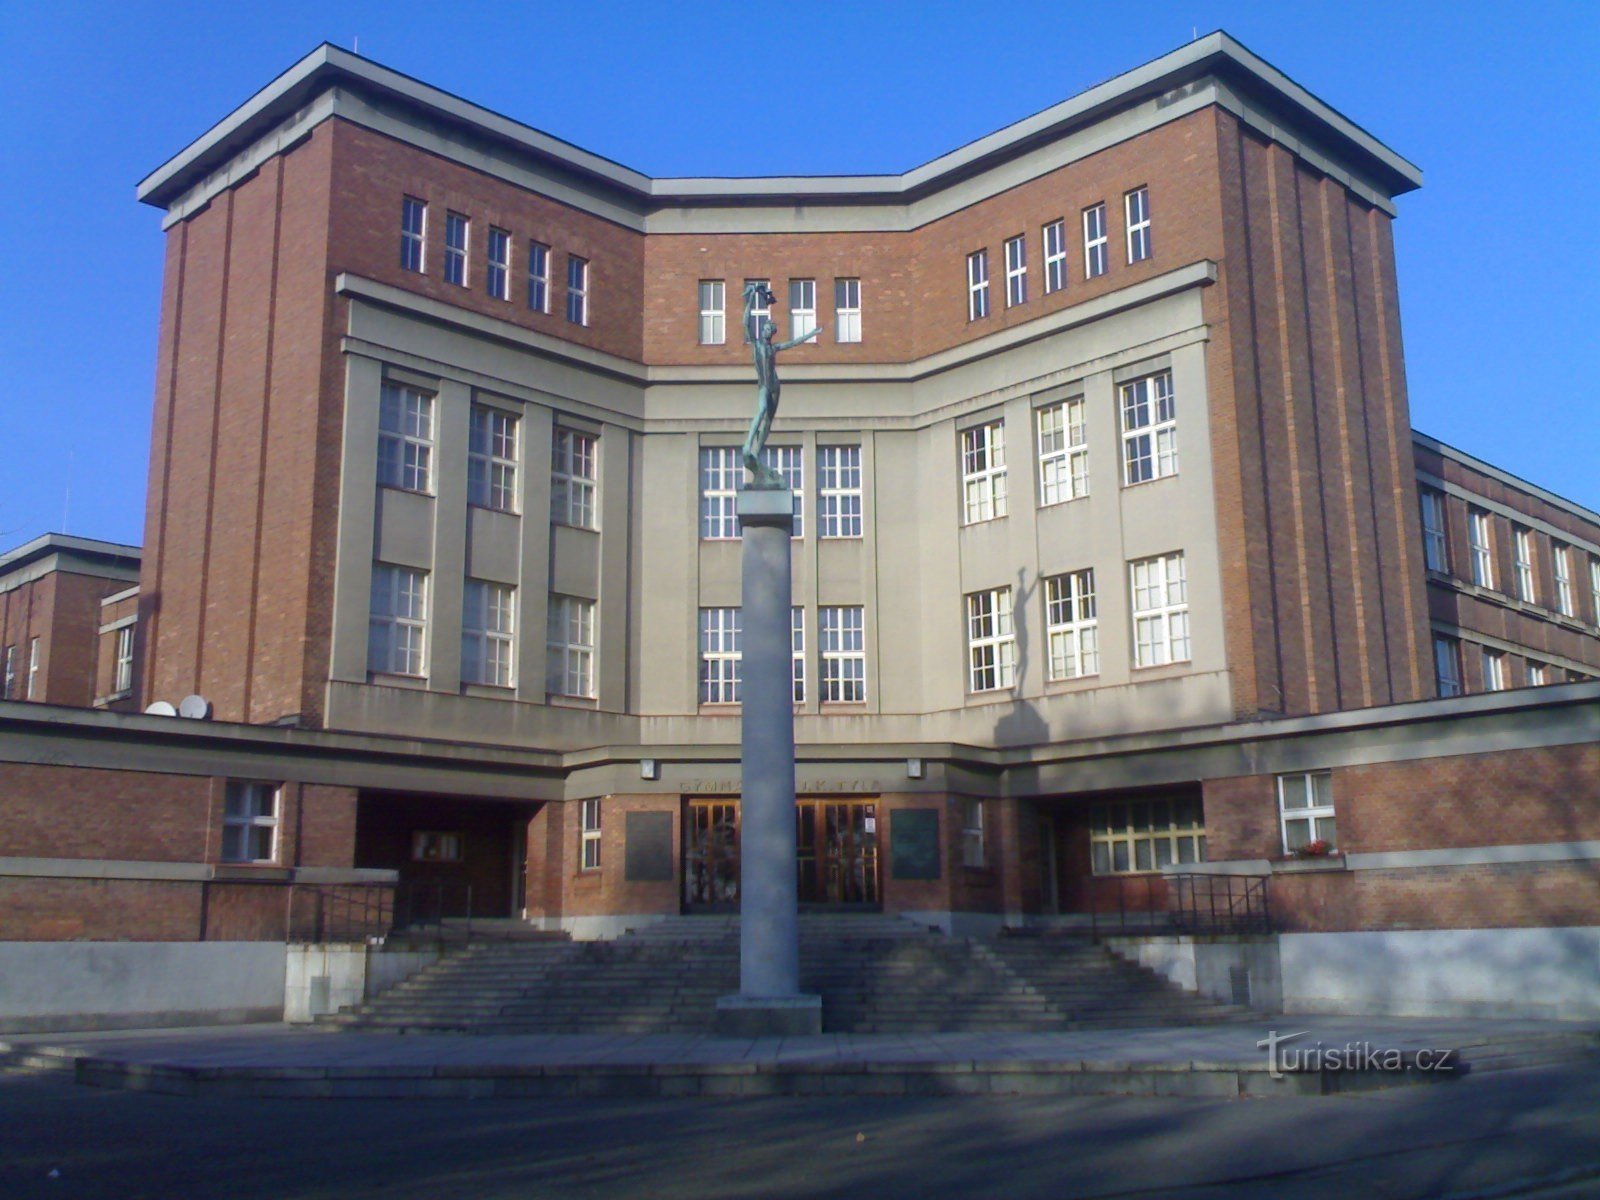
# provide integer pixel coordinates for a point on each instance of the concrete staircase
(876, 974)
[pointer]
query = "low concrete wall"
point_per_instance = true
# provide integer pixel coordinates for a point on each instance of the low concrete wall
(322, 978)
(58, 986)
(1242, 970)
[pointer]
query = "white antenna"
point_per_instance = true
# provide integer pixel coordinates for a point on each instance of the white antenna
(355, 44)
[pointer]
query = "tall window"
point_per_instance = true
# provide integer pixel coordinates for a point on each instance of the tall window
(492, 459)
(1063, 452)
(1149, 429)
(977, 285)
(789, 463)
(577, 290)
(1494, 670)
(574, 478)
(589, 835)
(722, 479)
(33, 670)
(1524, 550)
(983, 471)
(1305, 809)
(847, 310)
(1435, 549)
(844, 655)
(488, 633)
(839, 491)
(973, 854)
(569, 647)
(250, 822)
(1447, 665)
(991, 641)
(1561, 567)
(802, 306)
(397, 631)
(1537, 674)
(413, 233)
(1594, 589)
(760, 311)
(1136, 204)
(456, 228)
(1071, 626)
(797, 651)
(8, 686)
(1146, 835)
(713, 312)
(1055, 256)
(1095, 259)
(122, 681)
(720, 655)
(1016, 271)
(405, 438)
(538, 277)
(1481, 546)
(1160, 611)
(497, 266)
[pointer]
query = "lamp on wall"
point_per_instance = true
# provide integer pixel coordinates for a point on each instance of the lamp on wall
(649, 768)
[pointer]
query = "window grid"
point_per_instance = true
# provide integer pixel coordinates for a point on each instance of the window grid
(497, 265)
(977, 285)
(1063, 452)
(397, 632)
(1478, 542)
(1594, 590)
(569, 647)
(720, 655)
(492, 458)
(123, 680)
(713, 312)
(456, 229)
(538, 277)
(1305, 810)
(250, 822)
(574, 478)
(405, 438)
(577, 290)
(1136, 205)
(722, 479)
(991, 641)
(1096, 259)
(760, 311)
(839, 491)
(1016, 271)
(1071, 626)
(1494, 670)
(1523, 542)
(973, 852)
(1561, 568)
(8, 687)
(413, 234)
(1435, 549)
(590, 835)
(797, 651)
(33, 669)
(789, 463)
(1160, 611)
(802, 307)
(983, 472)
(1536, 674)
(488, 633)
(844, 655)
(1055, 256)
(1447, 665)
(1146, 835)
(847, 309)
(1149, 429)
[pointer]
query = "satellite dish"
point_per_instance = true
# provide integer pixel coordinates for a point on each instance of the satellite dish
(196, 708)
(161, 709)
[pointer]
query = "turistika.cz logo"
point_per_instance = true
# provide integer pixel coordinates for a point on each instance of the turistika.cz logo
(1349, 1056)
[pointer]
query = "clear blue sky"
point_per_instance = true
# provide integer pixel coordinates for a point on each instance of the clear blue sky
(1496, 103)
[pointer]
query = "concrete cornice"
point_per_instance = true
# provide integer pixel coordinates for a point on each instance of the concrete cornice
(1444, 450)
(52, 543)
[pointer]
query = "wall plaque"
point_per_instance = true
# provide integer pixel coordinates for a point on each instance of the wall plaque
(647, 854)
(914, 843)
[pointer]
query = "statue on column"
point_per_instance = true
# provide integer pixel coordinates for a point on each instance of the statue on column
(766, 356)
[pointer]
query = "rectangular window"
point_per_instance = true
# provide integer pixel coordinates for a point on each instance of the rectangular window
(8, 686)
(405, 438)
(722, 479)
(574, 478)
(847, 310)
(429, 845)
(492, 458)
(1479, 542)
(1447, 665)
(1594, 590)
(1146, 835)
(1524, 549)
(538, 277)
(844, 655)
(1435, 549)
(1071, 625)
(1095, 257)
(123, 680)
(713, 312)
(839, 491)
(569, 647)
(1305, 810)
(802, 307)
(1055, 256)
(983, 471)
(760, 311)
(1537, 676)
(33, 670)
(973, 853)
(1561, 568)
(1063, 452)
(797, 651)
(590, 836)
(577, 290)
(1160, 611)
(1016, 271)
(250, 822)
(1137, 206)
(977, 285)
(456, 229)
(720, 656)
(497, 266)
(991, 641)
(488, 633)
(413, 234)
(1149, 429)
(789, 462)
(1494, 670)
(397, 631)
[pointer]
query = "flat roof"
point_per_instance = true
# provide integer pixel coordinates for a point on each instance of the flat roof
(52, 543)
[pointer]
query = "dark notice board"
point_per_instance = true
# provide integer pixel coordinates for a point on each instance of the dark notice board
(648, 857)
(914, 843)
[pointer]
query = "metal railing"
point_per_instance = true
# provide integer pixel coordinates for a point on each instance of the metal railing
(338, 912)
(1188, 902)
(430, 904)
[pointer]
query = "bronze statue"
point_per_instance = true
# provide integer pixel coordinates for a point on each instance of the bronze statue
(766, 356)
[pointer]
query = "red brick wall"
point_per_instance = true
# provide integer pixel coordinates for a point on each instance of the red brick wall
(1511, 895)
(62, 610)
(382, 837)
(79, 812)
(105, 670)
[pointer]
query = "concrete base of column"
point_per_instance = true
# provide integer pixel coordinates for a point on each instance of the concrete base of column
(769, 1016)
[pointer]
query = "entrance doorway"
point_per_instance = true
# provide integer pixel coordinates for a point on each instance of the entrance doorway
(836, 854)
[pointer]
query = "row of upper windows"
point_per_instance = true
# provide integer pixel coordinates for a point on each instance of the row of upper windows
(713, 300)
(500, 260)
(1494, 668)
(1053, 235)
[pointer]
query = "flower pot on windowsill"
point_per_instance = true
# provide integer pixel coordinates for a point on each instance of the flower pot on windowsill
(1313, 856)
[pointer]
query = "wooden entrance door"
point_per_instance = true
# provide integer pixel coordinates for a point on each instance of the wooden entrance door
(837, 853)
(711, 856)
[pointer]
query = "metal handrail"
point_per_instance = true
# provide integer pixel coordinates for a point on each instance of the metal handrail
(1191, 902)
(338, 912)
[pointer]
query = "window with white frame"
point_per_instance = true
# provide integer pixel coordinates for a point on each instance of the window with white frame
(569, 647)
(538, 277)
(973, 852)
(789, 463)
(1537, 675)
(1447, 665)
(1523, 543)
(839, 491)
(250, 822)
(33, 670)
(1594, 589)
(1136, 204)
(492, 458)
(977, 285)
(1479, 542)
(713, 312)
(1305, 810)
(397, 631)
(802, 307)
(1435, 549)
(1055, 256)
(760, 311)
(122, 680)
(574, 478)
(577, 290)
(1063, 452)
(1016, 271)
(847, 310)
(1494, 670)
(1126, 837)
(721, 477)
(456, 230)
(720, 655)
(8, 686)
(405, 438)
(589, 835)
(991, 641)
(1096, 259)
(488, 633)
(1561, 568)
(1071, 626)
(983, 472)
(1160, 611)
(497, 265)
(1149, 429)
(413, 234)
(844, 654)
(797, 651)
